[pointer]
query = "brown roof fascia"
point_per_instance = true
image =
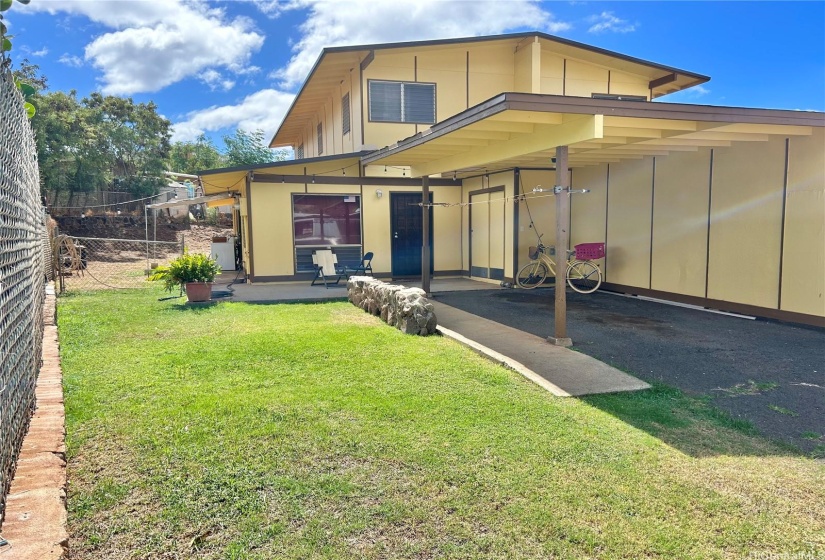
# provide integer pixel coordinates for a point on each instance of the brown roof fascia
(365, 181)
(661, 110)
(607, 107)
(521, 35)
(285, 162)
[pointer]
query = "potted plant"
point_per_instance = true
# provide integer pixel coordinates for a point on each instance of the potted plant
(196, 272)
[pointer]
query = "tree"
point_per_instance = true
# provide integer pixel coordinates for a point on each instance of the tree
(70, 152)
(98, 143)
(30, 73)
(136, 140)
(191, 157)
(249, 148)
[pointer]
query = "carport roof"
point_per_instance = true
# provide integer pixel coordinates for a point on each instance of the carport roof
(523, 130)
(229, 179)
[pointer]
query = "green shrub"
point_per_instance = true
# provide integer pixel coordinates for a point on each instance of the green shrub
(186, 268)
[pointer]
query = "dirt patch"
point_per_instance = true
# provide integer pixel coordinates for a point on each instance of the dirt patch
(196, 236)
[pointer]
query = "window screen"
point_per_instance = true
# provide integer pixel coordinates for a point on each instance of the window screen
(408, 102)
(320, 139)
(345, 124)
(327, 219)
(299, 152)
(419, 103)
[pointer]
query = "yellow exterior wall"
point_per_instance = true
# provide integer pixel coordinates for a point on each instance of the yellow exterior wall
(273, 243)
(376, 225)
(488, 69)
(680, 222)
(628, 84)
(467, 186)
(527, 70)
(803, 267)
(271, 222)
(588, 210)
(446, 227)
(584, 79)
(746, 221)
(542, 208)
(388, 65)
(503, 179)
(629, 222)
(492, 71)
(448, 70)
(552, 73)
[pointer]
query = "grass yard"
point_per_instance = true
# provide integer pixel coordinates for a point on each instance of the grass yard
(316, 431)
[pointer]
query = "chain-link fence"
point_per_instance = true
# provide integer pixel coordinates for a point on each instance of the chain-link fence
(21, 278)
(89, 263)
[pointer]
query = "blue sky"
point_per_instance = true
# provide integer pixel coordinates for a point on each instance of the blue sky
(212, 66)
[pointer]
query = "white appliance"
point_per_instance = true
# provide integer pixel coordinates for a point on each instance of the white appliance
(224, 253)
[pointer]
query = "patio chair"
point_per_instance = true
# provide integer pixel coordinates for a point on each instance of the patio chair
(365, 267)
(326, 267)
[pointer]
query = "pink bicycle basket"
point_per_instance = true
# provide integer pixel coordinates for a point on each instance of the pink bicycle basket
(589, 251)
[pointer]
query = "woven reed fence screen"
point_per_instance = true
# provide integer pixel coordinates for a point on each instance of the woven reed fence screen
(21, 277)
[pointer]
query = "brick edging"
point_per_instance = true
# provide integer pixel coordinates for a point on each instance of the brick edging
(35, 524)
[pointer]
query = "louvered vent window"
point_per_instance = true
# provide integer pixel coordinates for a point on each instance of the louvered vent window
(345, 113)
(299, 153)
(404, 102)
(320, 139)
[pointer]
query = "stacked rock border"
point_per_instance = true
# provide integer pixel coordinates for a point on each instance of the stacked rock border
(407, 309)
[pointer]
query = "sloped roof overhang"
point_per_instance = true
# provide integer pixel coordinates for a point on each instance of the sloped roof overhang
(232, 178)
(334, 63)
(523, 130)
(190, 201)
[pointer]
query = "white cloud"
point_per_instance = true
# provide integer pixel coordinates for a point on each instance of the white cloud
(162, 42)
(214, 80)
(264, 109)
(42, 52)
(606, 21)
(71, 60)
(334, 23)
(274, 8)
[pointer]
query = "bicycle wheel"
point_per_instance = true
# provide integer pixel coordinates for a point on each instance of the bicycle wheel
(584, 276)
(531, 275)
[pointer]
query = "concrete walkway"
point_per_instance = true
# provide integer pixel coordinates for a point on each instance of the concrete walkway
(563, 372)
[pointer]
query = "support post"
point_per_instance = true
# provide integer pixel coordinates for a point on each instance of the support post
(425, 246)
(559, 337)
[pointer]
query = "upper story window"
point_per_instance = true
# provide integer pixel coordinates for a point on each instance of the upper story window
(402, 102)
(299, 152)
(345, 124)
(320, 139)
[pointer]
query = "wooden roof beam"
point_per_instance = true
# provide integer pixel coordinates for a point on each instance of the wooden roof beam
(543, 137)
(658, 82)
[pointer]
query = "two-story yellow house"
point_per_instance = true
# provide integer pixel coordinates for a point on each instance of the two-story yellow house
(718, 206)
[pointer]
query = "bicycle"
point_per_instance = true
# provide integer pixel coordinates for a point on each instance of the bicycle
(582, 274)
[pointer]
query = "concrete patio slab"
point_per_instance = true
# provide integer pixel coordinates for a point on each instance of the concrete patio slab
(226, 288)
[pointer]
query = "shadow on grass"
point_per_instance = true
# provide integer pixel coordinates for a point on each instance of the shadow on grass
(691, 424)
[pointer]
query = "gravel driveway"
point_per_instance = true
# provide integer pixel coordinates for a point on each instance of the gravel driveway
(769, 373)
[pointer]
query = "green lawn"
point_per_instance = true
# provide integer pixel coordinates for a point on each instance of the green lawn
(316, 431)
